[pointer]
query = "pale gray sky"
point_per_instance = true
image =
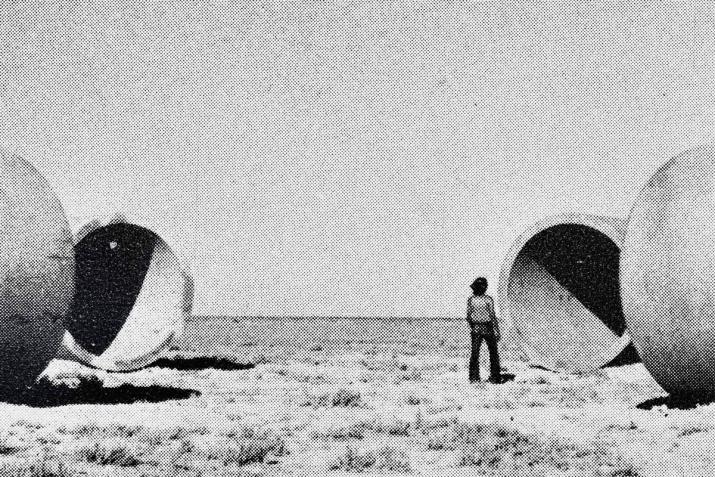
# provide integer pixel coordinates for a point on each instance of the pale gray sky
(333, 158)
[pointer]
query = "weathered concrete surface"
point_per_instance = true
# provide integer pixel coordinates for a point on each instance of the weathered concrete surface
(36, 272)
(133, 296)
(668, 274)
(558, 290)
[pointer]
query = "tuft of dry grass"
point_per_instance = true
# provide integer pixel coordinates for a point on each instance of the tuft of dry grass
(346, 398)
(413, 400)
(539, 380)
(691, 430)
(492, 447)
(407, 373)
(342, 433)
(109, 453)
(627, 470)
(248, 447)
(389, 365)
(242, 454)
(93, 429)
(631, 426)
(427, 425)
(158, 436)
(436, 408)
(457, 435)
(341, 398)
(27, 424)
(385, 459)
(260, 359)
(499, 450)
(398, 427)
(40, 468)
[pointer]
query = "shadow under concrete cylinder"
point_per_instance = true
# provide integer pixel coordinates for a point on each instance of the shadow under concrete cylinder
(36, 273)
(559, 291)
(133, 296)
(668, 274)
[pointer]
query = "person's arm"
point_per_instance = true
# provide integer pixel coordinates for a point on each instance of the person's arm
(469, 311)
(495, 321)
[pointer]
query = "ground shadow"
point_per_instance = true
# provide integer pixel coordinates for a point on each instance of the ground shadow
(675, 402)
(542, 368)
(629, 355)
(507, 377)
(48, 394)
(201, 362)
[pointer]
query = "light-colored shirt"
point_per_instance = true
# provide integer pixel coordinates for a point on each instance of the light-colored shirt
(480, 309)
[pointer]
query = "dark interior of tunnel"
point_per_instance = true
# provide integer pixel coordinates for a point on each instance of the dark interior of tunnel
(585, 262)
(629, 355)
(111, 263)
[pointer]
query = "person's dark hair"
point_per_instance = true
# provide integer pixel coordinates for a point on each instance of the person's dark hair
(479, 286)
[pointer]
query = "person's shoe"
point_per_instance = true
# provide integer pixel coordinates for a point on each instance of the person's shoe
(495, 380)
(474, 380)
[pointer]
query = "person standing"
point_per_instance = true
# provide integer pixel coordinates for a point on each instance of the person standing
(484, 326)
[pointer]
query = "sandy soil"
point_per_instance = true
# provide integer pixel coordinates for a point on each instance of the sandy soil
(280, 399)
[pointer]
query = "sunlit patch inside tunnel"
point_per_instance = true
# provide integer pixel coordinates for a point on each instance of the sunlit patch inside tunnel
(564, 299)
(111, 264)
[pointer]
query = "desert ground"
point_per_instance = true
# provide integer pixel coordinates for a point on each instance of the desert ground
(337, 397)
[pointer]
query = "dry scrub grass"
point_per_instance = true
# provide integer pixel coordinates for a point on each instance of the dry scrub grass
(341, 433)
(394, 401)
(114, 453)
(94, 429)
(341, 398)
(247, 451)
(175, 433)
(384, 459)
(39, 468)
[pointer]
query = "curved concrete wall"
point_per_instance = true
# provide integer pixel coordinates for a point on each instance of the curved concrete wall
(36, 273)
(133, 295)
(668, 274)
(559, 291)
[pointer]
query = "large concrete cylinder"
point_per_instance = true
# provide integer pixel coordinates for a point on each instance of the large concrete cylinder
(668, 274)
(558, 290)
(133, 296)
(36, 273)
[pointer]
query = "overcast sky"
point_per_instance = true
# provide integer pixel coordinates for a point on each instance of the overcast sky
(342, 158)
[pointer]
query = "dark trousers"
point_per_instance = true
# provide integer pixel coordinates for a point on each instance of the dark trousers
(480, 333)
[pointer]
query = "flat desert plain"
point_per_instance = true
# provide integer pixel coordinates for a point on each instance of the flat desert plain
(338, 397)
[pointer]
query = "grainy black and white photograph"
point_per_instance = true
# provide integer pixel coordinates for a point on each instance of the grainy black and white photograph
(335, 238)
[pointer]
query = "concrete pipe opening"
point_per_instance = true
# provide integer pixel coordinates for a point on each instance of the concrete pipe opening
(559, 290)
(36, 273)
(133, 296)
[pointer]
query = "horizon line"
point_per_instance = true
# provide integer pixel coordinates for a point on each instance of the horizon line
(319, 317)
